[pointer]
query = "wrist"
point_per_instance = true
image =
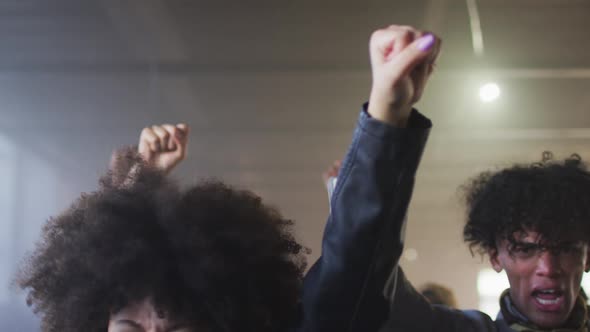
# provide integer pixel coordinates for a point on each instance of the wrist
(388, 112)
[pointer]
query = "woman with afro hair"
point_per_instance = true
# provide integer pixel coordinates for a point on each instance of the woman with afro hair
(142, 255)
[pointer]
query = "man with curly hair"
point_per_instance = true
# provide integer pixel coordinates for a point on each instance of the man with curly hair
(142, 255)
(533, 222)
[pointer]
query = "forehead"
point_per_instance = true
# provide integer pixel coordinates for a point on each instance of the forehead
(145, 314)
(532, 236)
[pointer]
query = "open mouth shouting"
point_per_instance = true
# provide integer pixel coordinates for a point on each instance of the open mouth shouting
(548, 299)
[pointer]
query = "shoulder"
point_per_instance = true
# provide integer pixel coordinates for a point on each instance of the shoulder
(479, 321)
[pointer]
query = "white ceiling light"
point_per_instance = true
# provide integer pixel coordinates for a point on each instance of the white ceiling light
(489, 92)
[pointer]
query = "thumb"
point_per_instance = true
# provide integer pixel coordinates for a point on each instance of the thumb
(181, 132)
(183, 127)
(413, 55)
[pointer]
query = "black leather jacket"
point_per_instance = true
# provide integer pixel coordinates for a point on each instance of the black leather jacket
(357, 284)
(363, 239)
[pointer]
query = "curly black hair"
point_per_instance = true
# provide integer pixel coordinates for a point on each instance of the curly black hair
(211, 254)
(550, 197)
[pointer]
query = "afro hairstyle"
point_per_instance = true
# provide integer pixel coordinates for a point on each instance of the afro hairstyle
(209, 253)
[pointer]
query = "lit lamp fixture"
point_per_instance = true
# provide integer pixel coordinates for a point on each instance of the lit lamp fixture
(489, 92)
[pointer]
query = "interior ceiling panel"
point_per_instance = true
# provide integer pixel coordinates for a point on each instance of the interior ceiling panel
(287, 34)
(71, 35)
(544, 33)
(40, 35)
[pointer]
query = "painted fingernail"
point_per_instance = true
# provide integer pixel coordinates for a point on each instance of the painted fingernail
(426, 42)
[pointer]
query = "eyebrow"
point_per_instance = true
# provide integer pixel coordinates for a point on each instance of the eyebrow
(519, 243)
(537, 244)
(128, 322)
(133, 324)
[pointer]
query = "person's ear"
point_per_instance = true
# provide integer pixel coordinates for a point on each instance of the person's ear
(493, 253)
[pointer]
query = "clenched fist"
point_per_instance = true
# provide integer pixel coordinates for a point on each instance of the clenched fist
(164, 146)
(402, 59)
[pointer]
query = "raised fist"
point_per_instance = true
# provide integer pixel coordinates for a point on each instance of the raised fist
(164, 146)
(402, 59)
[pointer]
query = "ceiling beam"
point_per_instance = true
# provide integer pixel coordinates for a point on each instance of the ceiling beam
(179, 68)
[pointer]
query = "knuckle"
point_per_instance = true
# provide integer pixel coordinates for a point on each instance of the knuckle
(408, 29)
(406, 34)
(396, 27)
(377, 34)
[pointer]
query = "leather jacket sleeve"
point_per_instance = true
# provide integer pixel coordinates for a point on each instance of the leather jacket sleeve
(363, 239)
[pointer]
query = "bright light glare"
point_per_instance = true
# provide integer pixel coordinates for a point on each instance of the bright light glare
(489, 92)
(491, 283)
(490, 286)
(411, 254)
